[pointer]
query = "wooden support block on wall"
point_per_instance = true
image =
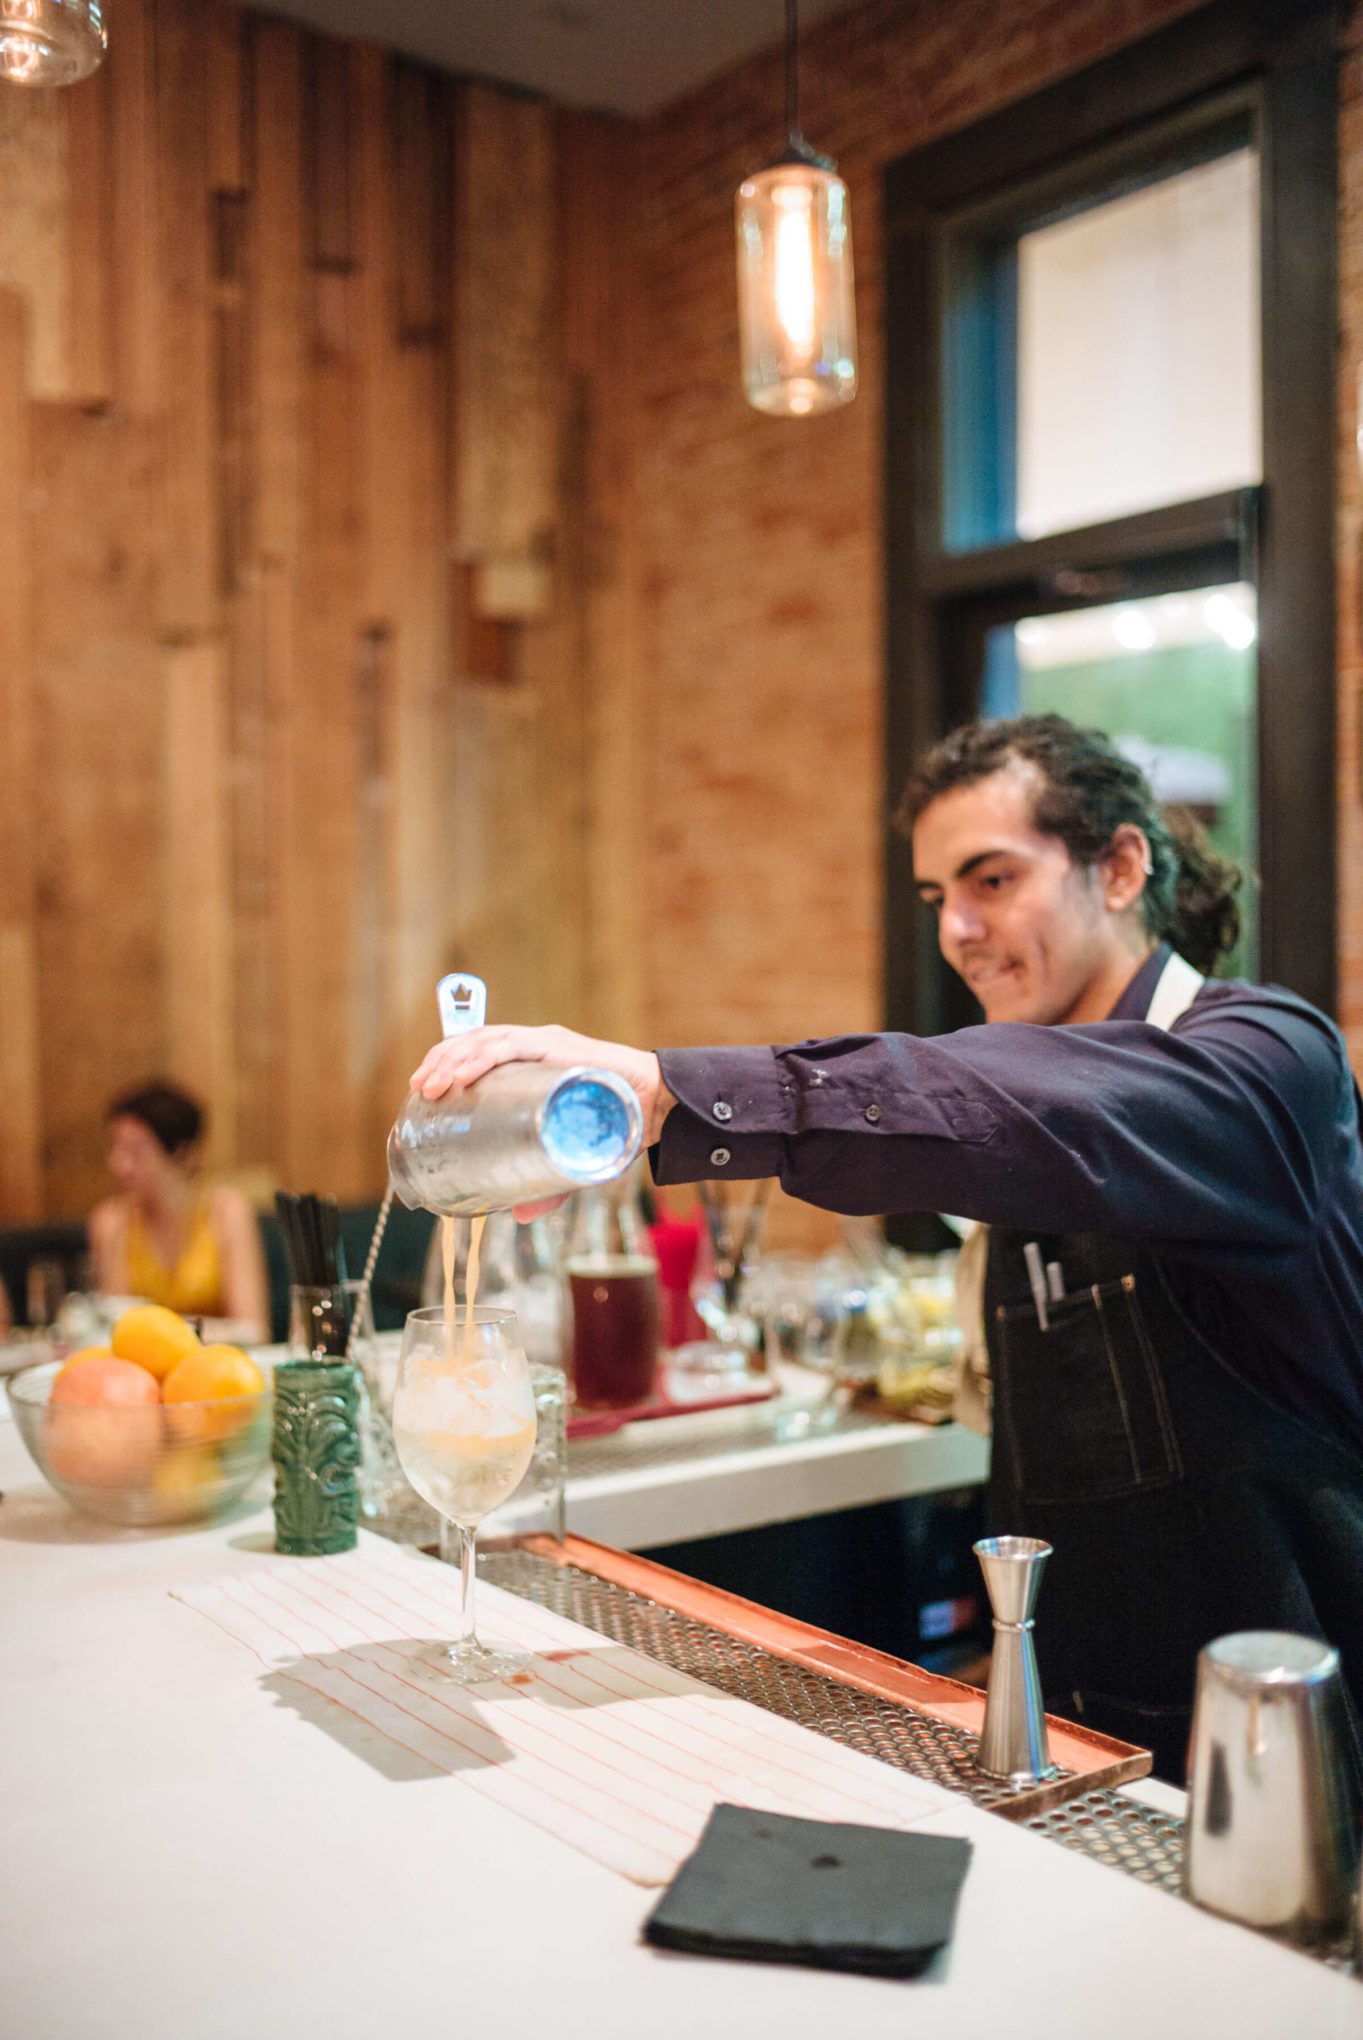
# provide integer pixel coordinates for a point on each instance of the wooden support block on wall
(513, 589)
(505, 384)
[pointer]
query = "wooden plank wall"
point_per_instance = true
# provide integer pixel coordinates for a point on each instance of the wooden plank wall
(316, 650)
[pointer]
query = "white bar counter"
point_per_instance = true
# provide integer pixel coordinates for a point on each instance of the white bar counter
(187, 1859)
(723, 1470)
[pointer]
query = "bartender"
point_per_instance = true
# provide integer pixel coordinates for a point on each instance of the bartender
(1170, 1172)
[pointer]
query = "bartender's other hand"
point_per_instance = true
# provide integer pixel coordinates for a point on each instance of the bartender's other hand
(455, 1064)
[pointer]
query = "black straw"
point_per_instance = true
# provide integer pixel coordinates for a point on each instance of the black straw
(287, 1210)
(311, 1228)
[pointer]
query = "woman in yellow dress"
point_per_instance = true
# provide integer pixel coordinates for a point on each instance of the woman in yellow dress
(165, 1236)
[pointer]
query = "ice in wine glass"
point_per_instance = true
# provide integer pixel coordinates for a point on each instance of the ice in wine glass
(464, 1428)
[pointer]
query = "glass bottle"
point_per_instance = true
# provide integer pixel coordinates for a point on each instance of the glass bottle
(612, 1276)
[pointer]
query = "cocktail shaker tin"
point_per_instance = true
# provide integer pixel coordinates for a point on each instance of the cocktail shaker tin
(1272, 1812)
(522, 1132)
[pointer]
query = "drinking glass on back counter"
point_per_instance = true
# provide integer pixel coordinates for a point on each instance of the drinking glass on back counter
(612, 1278)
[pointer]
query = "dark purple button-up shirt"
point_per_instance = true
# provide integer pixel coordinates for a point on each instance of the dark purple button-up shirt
(1228, 1144)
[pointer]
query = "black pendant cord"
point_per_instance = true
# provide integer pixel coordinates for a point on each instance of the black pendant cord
(792, 74)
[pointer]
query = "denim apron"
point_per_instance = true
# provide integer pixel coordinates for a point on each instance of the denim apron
(1180, 1503)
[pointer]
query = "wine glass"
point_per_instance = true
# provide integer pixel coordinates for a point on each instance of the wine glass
(464, 1428)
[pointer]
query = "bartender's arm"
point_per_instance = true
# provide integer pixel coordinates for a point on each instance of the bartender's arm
(1224, 1134)
(1220, 1134)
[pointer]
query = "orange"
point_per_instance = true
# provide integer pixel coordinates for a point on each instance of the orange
(103, 1423)
(154, 1337)
(212, 1374)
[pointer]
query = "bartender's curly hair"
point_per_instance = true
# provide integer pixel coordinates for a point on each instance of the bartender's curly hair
(1087, 791)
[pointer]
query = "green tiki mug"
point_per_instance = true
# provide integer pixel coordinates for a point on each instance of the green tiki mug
(316, 1454)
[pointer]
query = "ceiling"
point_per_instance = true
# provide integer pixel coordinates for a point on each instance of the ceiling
(616, 56)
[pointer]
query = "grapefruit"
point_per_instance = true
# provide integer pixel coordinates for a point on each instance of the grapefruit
(103, 1423)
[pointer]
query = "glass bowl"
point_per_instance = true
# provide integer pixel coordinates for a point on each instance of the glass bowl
(142, 1466)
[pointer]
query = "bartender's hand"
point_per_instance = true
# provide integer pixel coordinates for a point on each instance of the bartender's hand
(454, 1064)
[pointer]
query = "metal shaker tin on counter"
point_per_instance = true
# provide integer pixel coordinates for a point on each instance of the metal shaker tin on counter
(522, 1132)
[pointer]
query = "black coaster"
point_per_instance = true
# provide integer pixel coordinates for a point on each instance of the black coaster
(829, 1894)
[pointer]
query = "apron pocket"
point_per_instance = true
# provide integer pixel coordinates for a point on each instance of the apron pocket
(1084, 1415)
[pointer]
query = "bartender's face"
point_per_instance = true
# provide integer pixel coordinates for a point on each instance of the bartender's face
(1032, 933)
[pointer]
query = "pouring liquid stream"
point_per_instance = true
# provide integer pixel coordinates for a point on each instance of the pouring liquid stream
(470, 1285)
(471, 1455)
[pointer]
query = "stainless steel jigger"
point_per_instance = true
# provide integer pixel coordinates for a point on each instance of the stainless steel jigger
(1013, 1741)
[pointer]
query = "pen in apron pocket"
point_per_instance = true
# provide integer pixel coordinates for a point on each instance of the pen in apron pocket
(1036, 1276)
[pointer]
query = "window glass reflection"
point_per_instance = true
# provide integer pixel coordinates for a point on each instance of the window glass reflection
(1173, 679)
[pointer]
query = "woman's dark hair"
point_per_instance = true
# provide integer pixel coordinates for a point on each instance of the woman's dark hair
(1085, 791)
(171, 1115)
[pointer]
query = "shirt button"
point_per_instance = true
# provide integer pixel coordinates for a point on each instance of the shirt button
(718, 1157)
(723, 1113)
(873, 1114)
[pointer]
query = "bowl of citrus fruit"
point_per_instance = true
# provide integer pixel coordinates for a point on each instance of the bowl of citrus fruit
(153, 1428)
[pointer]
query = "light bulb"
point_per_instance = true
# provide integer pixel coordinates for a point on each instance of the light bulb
(794, 283)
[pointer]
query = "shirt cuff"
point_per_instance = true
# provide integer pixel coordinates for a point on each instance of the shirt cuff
(734, 1107)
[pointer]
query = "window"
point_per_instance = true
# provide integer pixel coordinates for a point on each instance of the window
(1138, 350)
(1172, 679)
(1096, 501)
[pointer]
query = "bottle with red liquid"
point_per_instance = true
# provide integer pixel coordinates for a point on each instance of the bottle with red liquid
(612, 1275)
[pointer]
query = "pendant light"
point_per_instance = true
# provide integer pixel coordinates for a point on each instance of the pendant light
(51, 42)
(796, 311)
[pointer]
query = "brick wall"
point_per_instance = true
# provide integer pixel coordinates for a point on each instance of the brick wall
(761, 541)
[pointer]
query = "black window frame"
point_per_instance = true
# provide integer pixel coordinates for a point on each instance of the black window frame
(1271, 67)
